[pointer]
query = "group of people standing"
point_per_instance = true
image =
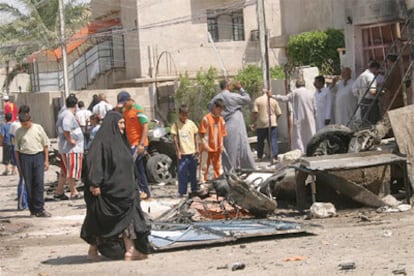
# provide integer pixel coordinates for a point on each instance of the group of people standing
(313, 110)
(337, 103)
(221, 134)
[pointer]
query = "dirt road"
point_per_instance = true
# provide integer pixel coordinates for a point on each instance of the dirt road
(378, 244)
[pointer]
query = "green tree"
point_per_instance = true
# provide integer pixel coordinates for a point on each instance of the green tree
(196, 93)
(317, 48)
(251, 78)
(34, 26)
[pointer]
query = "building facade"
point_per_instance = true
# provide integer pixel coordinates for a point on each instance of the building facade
(169, 37)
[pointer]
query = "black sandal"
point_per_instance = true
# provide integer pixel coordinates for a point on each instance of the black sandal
(60, 197)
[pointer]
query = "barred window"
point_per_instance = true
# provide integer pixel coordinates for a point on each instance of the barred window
(224, 25)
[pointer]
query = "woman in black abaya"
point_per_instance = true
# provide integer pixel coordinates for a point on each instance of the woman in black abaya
(114, 223)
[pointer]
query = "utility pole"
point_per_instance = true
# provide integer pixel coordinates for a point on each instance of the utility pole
(263, 43)
(410, 11)
(210, 38)
(7, 77)
(64, 54)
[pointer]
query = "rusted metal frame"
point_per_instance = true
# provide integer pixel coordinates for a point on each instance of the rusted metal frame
(405, 27)
(407, 186)
(372, 42)
(387, 76)
(303, 173)
(382, 41)
(301, 176)
(407, 73)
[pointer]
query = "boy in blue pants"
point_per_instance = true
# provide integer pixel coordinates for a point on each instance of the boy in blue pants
(185, 134)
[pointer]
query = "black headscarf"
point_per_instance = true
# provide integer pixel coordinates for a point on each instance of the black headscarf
(95, 101)
(109, 165)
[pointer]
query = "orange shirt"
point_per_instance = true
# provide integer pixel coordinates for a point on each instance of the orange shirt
(135, 119)
(214, 127)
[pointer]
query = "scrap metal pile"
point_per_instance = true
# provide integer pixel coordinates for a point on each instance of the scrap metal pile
(234, 195)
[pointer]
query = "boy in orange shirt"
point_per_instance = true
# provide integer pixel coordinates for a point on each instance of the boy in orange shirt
(212, 130)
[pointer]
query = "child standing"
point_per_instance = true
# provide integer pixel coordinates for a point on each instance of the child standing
(95, 125)
(7, 147)
(212, 131)
(185, 138)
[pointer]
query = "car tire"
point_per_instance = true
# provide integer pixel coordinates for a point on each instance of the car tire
(160, 169)
(332, 139)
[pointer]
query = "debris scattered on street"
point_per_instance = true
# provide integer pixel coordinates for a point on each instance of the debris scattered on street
(400, 271)
(347, 266)
(238, 266)
(295, 259)
(322, 210)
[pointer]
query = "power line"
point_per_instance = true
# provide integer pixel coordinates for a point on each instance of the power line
(174, 21)
(221, 9)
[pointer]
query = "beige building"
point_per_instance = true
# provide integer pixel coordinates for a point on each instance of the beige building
(157, 40)
(175, 34)
(161, 39)
(370, 26)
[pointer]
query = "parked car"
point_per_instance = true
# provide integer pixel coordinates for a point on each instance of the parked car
(161, 160)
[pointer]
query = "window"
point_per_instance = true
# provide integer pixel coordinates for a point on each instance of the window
(224, 25)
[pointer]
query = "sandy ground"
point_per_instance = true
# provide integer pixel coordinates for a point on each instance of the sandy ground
(378, 244)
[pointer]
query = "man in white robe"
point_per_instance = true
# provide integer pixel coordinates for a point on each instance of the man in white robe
(345, 100)
(304, 115)
(365, 88)
(323, 99)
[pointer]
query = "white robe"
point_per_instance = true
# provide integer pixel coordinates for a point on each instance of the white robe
(361, 85)
(345, 102)
(323, 100)
(304, 112)
(238, 153)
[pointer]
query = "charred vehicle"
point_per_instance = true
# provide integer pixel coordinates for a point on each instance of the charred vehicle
(161, 160)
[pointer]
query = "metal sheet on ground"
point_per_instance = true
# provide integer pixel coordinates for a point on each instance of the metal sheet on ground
(166, 236)
(348, 161)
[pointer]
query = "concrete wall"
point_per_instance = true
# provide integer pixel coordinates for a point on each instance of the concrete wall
(364, 12)
(107, 79)
(130, 21)
(297, 16)
(41, 108)
(44, 106)
(181, 44)
(21, 82)
(102, 8)
(300, 16)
